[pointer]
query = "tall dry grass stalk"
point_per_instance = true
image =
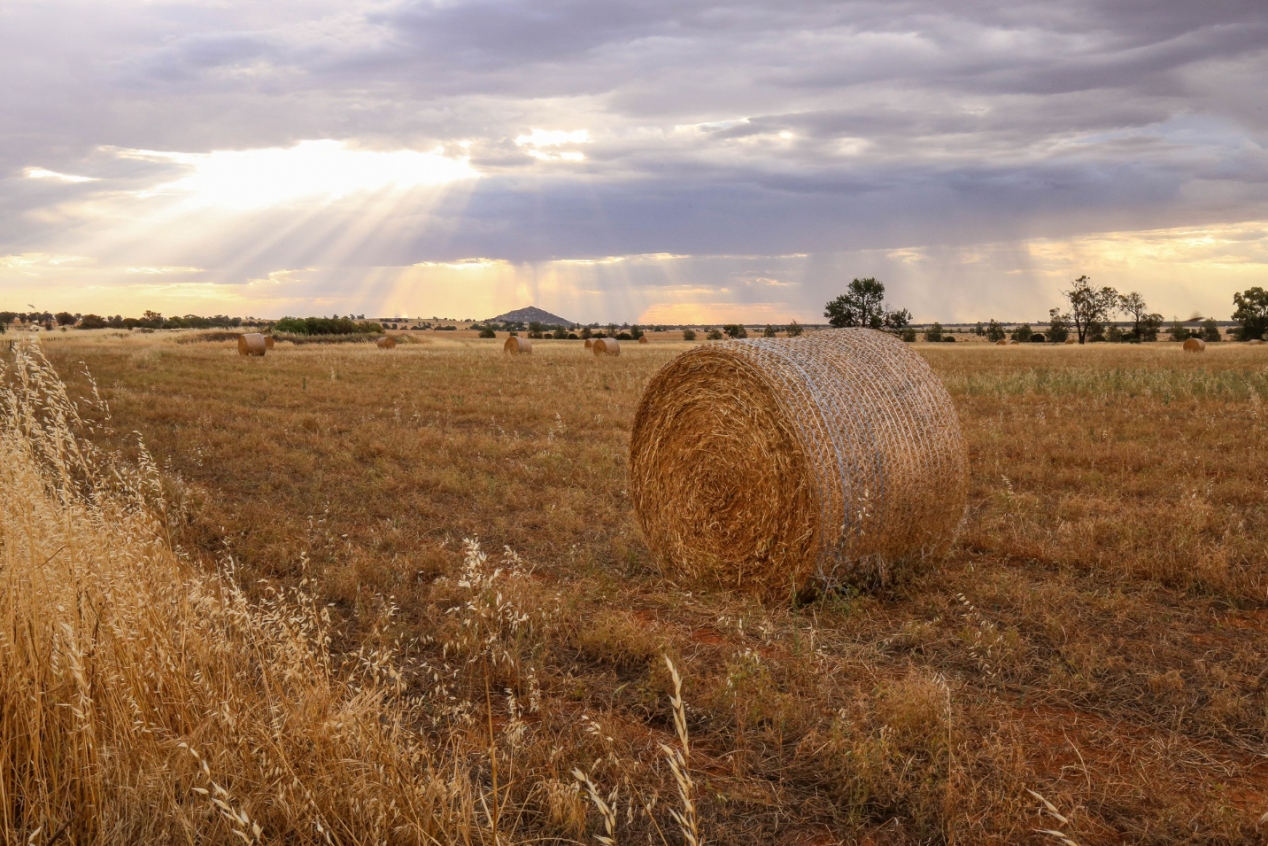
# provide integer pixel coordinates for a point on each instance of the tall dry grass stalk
(142, 701)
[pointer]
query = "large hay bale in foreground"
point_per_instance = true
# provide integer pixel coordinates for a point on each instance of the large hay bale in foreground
(767, 464)
(516, 345)
(386, 343)
(607, 346)
(1194, 345)
(269, 342)
(252, 343)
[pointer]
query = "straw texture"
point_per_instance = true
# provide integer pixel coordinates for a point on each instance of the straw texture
(589, 343)
(252, 343)
(607, 346)
(386, 343)
(769, 464)
(642, 339)
(269, 342)
(1194, 345)
(516, 345)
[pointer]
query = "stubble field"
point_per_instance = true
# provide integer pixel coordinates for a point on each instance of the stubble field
(1098, 634)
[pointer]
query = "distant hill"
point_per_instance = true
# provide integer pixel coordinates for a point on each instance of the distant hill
(530, 315)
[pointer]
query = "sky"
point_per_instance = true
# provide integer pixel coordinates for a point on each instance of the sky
(615, 161)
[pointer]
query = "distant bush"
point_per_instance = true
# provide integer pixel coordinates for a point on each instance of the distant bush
(908, 335)
(445, 329)
(769, 331)
(92, 321)
(715, 335)
(689, 334)
(934, 333)
(624, 336)
(326, 326)
(486, 332)
(735, 330)
(793, 329)
(948, 339)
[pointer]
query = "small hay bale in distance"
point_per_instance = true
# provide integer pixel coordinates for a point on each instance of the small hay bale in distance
(607, 346)
(386, 343)
(1254, 342)
(516, 345)
(642, 339)
(1001, 343)
(1071, 341)
(269, 342)
(252, 343)
(767, 465)
(1194, 345)
(589, 343)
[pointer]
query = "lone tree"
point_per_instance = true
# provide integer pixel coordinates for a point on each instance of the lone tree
(1089, 307)
(864, 305)
(793, 329)
(1058, 326)
(1252, 313)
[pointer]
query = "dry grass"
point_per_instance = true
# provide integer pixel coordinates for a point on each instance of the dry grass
(1098, 634)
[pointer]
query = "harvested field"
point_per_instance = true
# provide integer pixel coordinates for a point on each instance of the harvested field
(1098, 634)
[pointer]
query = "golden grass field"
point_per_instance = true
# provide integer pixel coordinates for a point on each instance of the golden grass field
(1098, 634)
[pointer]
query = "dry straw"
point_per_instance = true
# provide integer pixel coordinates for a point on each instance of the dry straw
(252, 343)
(607, 346)
(767, 464)
(1194, 345)
(516, 346)
(386, 343)
(642, 339)
(589, 343)
(269, 342)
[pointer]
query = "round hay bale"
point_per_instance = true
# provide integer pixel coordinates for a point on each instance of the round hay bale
(1254, 342)
(642, 339)
(386, 343)
(1012, 342)
(1194, 345)
(607, 346)
(516, 345)
(269, 342)
(1071, 340)
(252, 343)
(767, 464)
(589, 343)
(1001, 343)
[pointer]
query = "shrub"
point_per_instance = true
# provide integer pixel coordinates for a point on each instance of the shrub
(1211, 331)
(934, 333)
(715, 335)
(92, 321)
(769, 331)
(624, 336)
(1022, 333)
(735, 330)
(326, 326)
(689, 334)
(995, 332)
(486, 332)
(793, 329)
(908, 335)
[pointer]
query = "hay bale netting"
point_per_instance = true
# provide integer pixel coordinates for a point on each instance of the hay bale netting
(386, 343)
(252, 343)
(607, 346)
(589, 343)
(769, 464)
(642, 339)
(516, 345)
(1194, 345)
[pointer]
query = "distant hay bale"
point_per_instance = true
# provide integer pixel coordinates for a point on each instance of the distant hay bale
(386, 343)
(767, 464)
(607, 346)
(1071, 340)
(516, 345)
(642, 339)
(269, 342)
(1194, 345)
(1001, 343)
(589, 343)
(1014, 341)
(252, 343)
(1254, 342)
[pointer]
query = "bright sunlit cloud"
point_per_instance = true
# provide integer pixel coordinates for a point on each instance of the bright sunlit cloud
(554, 138)
(311, 170)
(42, 173)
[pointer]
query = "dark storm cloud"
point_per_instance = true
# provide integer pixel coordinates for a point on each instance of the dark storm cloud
(913, 122)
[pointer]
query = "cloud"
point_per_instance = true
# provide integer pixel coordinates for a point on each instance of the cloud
(330, 135)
